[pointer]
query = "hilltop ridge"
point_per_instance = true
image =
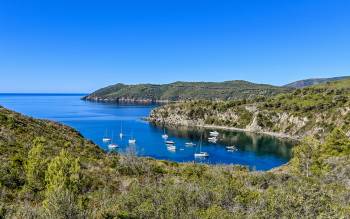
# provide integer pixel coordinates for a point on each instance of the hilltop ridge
(178, 91)
(314, 81)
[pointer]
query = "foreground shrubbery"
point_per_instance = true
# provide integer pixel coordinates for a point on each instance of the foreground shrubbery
(61, 175)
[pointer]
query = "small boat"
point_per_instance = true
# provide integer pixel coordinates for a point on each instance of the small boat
(190, 144)
(164, 135)
(212, 139)
(121, 130)
(201, 153)
(231, 148)
(106, 140)
(112, 146)
(171, 148)
(132, 141)
(214, 133)
(169, 142)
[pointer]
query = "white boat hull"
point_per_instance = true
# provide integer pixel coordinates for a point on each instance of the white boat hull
(202, 154)
(105, 140)
(132, 141)
(111, 146)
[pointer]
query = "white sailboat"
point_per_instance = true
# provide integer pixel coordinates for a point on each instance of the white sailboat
(106, 139)
(231, 148)
(132, 140)
(169, 142)
(164, 135)
(212, 140)
(214, 133)
(171, 147)
(112, 145)
(201, 153)
(190, 144)
(121, 130)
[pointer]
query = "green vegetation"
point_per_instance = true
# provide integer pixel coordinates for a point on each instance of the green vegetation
(315, 111)
(314, 81)
(227, 90)
(49, 171)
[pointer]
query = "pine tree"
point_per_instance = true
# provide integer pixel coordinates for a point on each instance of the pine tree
(35, 166)
(62, 186)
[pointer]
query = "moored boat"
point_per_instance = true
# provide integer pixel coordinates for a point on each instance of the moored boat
(231, 147)
(112, 146)
(214, 133)
(169, 142)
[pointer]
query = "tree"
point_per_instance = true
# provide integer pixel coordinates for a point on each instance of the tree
(305, 156)
(336, 144)
(35, 166)
(62, 186)
(63, 173)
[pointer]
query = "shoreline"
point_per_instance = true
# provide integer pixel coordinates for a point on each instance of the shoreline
(228, 128)
(274, 134)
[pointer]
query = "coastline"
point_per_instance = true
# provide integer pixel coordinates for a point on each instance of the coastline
(228, 128)
(274, 134)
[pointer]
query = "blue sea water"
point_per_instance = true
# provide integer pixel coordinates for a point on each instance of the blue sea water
(96, 120)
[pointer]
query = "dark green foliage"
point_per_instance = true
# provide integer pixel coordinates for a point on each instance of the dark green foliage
(185, 91)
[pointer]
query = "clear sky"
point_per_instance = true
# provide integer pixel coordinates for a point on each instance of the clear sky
(79, 46)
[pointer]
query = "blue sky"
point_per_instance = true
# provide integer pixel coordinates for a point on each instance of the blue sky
(79, 46)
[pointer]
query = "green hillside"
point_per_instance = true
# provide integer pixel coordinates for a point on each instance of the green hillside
(49, 171)
(314, 81)
(184, 91)
(312, 111)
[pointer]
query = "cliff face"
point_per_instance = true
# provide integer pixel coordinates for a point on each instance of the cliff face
(310, 111)
(261, 121)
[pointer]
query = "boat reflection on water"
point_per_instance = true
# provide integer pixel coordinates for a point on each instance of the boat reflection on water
(243, 141)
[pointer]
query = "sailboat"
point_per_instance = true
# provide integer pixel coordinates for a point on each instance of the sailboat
(164, 136)
(169, 142)
(212, 140)
(190, 144)
(171, 147)
(231, 147)
(105, 139)
(201, 153)
(121, 130)
(112, 145)
(214, 133)
(132, 140)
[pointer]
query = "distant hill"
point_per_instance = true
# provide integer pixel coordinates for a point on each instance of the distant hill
(310, 111)
(228, 90)
(314, 81)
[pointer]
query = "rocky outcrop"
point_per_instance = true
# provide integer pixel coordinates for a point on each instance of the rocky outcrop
(250, 118)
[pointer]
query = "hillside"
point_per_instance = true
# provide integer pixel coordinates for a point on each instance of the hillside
(309, 111)
(314, 81)
(227, 90)
(49, 171)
